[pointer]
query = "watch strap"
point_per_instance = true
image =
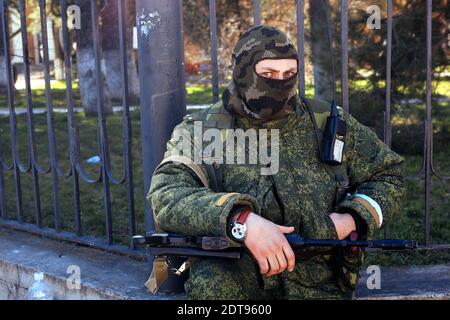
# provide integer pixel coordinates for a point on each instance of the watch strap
(243, 216)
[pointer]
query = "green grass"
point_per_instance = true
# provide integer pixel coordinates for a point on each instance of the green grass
(91, 200)
(203, 94)
(40, 85)
(408, 224)
(441, 87)
(195, 94)
(38, 100)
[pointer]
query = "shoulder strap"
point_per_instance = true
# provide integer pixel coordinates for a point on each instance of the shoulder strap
(319, 111)
(189, 163)
(318, 115)
(216, 116)
(214, 172)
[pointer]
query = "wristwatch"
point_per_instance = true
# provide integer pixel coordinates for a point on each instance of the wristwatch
(238, 227)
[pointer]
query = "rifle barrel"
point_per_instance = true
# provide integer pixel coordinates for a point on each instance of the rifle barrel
(296, 241)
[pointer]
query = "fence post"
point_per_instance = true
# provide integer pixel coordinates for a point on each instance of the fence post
(161, 78)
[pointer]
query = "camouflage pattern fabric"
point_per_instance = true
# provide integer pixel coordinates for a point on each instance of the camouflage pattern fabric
(300, 194)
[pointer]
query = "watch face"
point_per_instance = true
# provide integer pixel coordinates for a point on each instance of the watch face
(239, 231)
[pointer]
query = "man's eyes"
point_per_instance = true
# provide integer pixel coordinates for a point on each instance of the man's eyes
(287, 74)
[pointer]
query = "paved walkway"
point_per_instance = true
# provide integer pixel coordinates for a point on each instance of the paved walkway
(406, 283)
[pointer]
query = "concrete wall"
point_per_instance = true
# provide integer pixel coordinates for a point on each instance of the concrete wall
(15, 280)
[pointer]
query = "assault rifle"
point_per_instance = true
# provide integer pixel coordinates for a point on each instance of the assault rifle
(168, 244)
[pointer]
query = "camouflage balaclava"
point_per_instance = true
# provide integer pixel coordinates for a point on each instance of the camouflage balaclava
(253, 95)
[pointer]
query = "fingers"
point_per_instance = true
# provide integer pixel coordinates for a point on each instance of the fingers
(263, 265)
(277, 263)
(290, 257)
(273, 265)
(283, 257)
(282, 263)
(269, 247)
(285, 229)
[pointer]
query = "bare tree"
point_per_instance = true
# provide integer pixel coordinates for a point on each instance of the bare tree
(59, 52)
(2, 61)
(320, 48)
(111, 50)
(233, 17)
(86, 63)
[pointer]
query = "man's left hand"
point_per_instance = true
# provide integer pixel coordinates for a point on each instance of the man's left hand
(343, 223)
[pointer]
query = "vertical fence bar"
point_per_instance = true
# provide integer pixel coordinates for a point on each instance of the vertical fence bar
(12, 112)
(126, 122)
(103, 139)
(70, 121)
(213, 33)
(256, 12)
(2, 177)
(161, 76)
(344, 54)
(387, 122)
(387, 132)
(301, 46)
(50, 127)
(429, 124)
(30, 123)
(2, 182)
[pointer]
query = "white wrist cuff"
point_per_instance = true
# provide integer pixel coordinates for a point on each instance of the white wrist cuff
(374, 204)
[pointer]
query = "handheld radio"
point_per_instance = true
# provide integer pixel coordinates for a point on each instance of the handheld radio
(333, 141)
(335, 131)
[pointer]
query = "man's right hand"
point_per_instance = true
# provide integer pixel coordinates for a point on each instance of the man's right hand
(268, 245)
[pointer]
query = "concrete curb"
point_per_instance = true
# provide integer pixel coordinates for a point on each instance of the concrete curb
(15, 280)
(103, 275)
(408, 283)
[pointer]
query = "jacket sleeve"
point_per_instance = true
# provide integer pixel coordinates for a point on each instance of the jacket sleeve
(377, 176)
(182, 204)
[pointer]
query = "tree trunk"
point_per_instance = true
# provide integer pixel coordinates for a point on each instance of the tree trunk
(3, 82)
(86, 64)
(133, 77)
(111, 52)
(321, 59)
(59, 53)
(110, 48)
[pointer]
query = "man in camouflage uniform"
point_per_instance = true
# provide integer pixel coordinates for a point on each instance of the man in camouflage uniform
(300, 197)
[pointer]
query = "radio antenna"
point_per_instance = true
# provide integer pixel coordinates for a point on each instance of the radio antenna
(330, 48)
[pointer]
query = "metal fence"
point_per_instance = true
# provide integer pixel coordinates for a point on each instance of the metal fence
(162, 83)
(76, 171)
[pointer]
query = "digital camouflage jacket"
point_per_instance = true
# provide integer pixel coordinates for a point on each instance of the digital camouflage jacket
(300, 194)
